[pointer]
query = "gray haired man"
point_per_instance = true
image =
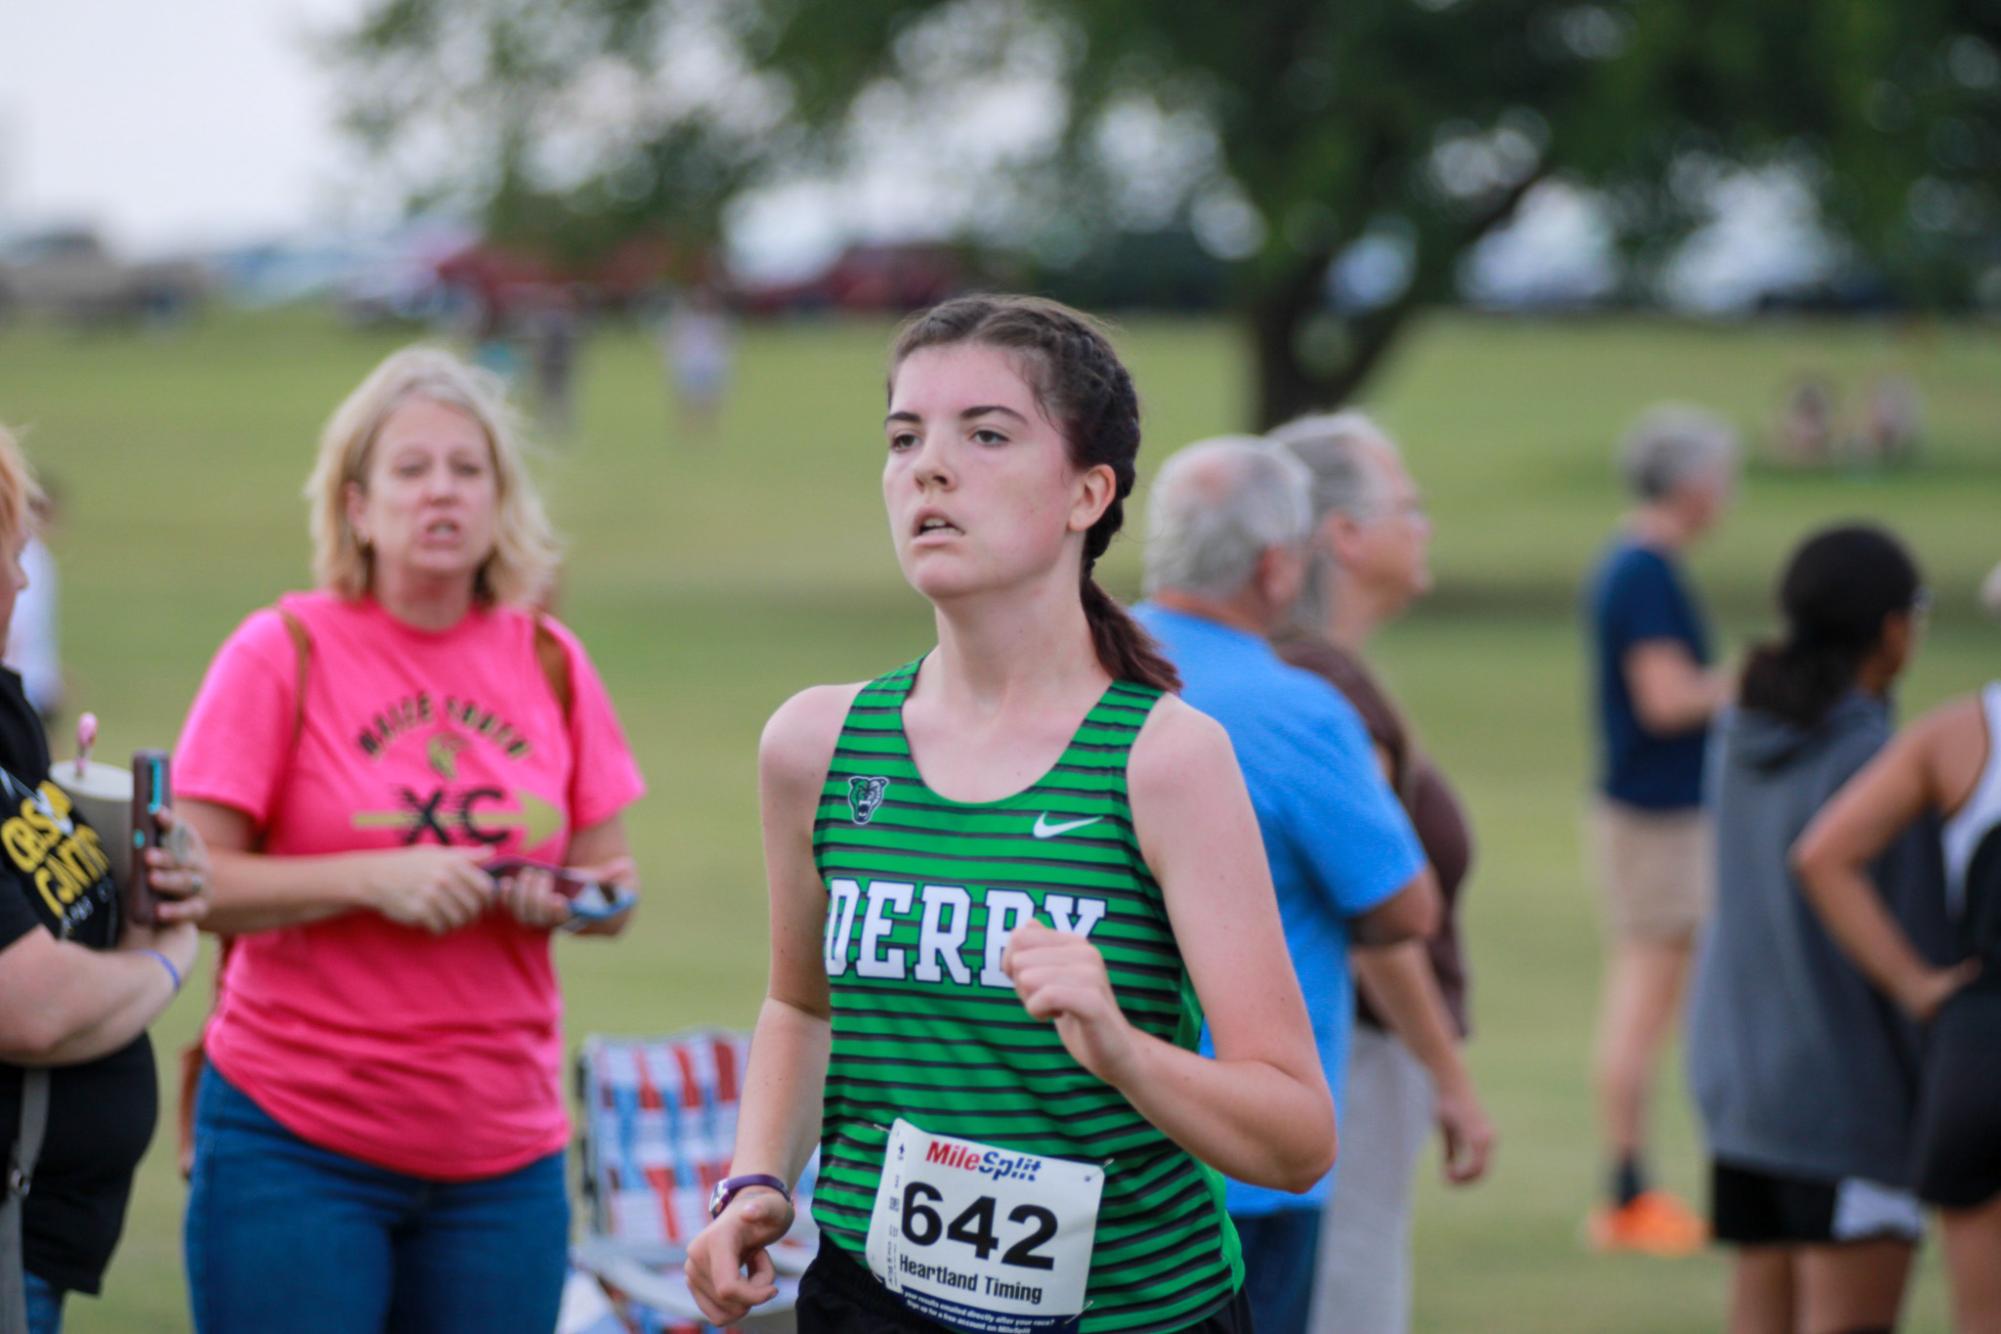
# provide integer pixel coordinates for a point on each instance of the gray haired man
(1226, 551)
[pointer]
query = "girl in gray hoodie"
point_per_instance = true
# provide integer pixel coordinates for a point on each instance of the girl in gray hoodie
(1803, 1074)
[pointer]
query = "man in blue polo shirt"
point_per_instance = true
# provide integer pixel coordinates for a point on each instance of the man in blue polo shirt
(1225, 555)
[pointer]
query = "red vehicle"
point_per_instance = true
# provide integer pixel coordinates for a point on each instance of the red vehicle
(873, 278)
(506, 280)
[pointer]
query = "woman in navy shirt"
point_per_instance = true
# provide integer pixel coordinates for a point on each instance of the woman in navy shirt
(1656, 693)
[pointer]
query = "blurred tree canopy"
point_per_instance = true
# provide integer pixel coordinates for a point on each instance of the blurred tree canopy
(1282, 133)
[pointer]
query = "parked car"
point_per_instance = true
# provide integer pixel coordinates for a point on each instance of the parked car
(888, 278)
(70, 275)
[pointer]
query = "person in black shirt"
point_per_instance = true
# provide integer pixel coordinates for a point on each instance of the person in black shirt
(78, 986)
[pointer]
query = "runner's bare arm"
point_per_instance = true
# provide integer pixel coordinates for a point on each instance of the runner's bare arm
(1259, 1112)
(778, 1120)
(1832, 857)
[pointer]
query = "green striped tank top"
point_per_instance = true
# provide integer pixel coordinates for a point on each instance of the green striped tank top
(920, 893)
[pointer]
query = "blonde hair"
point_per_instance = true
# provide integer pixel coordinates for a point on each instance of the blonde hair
(522, 565)
(20, 496)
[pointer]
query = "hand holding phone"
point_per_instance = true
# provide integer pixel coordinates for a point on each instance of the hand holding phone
(589, 900)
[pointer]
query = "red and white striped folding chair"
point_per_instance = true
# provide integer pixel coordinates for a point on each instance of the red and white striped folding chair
(659, 1124)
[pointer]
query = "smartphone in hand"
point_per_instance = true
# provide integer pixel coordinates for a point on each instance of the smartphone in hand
(151, 790)
(569, 883)
(590, 901)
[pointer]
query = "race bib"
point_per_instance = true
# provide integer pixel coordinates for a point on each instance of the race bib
(983, 1240)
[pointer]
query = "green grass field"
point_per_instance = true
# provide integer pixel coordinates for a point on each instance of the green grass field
(712, 581)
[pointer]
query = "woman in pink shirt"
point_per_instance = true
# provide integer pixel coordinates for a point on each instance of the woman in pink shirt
(379, 1134)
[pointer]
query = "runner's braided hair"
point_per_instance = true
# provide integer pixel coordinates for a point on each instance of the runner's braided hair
(1067, 359)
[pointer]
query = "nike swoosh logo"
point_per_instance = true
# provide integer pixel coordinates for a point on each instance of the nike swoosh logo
(1044, 829)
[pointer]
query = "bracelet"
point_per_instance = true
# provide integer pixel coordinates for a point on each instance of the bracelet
(167, 964)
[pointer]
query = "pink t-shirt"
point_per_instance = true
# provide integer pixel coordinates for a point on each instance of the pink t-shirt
(437, 1056)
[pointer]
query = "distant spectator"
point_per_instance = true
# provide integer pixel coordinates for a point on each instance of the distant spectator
(1405, 1068)
(492, 340)
(33, 645)
(1655, 695)
(1895, 423)
(1807, 430)
(1887, 428)
(1802, 1073)
(698, 346)
(554, 330)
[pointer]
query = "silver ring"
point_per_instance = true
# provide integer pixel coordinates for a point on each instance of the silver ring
(201, 884)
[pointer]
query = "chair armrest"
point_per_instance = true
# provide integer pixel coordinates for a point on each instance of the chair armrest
(637, 1273)
(650, 1274)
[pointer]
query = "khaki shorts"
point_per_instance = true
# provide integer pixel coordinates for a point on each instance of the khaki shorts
(1656, 870)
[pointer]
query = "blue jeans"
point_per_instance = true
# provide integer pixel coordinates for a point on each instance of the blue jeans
(1280, 1249)
(45, 1306)
(285, 1235)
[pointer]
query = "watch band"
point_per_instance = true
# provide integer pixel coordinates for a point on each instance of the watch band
(730, 1187)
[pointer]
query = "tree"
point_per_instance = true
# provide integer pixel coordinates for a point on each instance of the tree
(1291, 130)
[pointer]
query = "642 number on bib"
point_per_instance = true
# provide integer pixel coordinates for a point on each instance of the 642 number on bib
(982, 1239)
(922, 1226)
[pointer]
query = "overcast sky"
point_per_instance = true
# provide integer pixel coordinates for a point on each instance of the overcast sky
(176, 124)
(188, 121)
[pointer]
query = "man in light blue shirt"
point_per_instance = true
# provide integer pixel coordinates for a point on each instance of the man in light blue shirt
(1227, 529)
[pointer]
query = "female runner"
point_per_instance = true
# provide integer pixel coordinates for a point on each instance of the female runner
(1007, 881)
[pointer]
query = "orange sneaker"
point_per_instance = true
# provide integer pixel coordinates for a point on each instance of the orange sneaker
(1654, 1223)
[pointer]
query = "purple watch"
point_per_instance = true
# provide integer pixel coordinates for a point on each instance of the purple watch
(729, 1187)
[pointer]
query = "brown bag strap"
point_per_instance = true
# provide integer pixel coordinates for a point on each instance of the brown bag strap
(302, 653)
(554, 660)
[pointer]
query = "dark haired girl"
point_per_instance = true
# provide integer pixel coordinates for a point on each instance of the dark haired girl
(1801, 1073)
(1007, 882)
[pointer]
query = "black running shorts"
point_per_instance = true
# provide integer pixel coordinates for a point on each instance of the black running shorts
(1752, 1207)
(1958, 1151)
(839, 1296)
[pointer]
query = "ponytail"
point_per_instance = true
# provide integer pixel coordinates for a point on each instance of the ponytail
(1125, 650)
(1798, 682)
(1836, 593)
